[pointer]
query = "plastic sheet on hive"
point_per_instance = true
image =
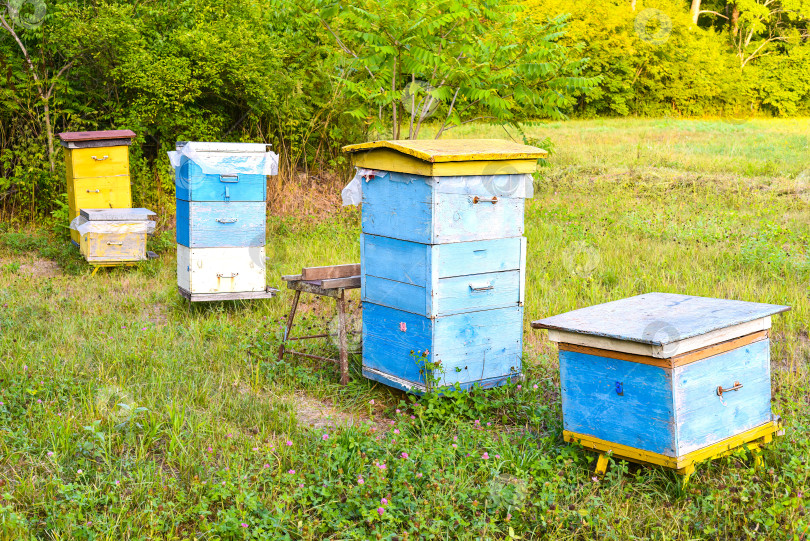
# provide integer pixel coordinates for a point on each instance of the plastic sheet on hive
(214, 161)
(352, 194)
(84, 226)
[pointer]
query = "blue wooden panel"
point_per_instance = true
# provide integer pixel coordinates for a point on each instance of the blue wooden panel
(642, 417)
(414, 208)
(639, 318)
(703, 418)
(479, 345)
(394, 259)
(471, 347)
(401, 209)
(397, 383)
(191, 184)
(463, 258)
(411, 262)
(453, 295)
(411, 298)
(220, 225)
(478, 292)
(445, 279)
(458, 218)
(389, 337)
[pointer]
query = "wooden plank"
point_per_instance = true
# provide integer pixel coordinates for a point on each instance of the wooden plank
(244, 295)
(331, 271)
(92, 135)
(659, 318)
(291, 277)
(454, 150)
(672, 362)
(116, 214)
(310, 288)
(667, 351)
(350, 282)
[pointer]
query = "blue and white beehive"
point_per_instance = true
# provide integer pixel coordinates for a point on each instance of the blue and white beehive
(443, 260)
(665, 379)
(221, 217)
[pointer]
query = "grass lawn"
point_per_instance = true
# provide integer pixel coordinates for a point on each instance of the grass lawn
(125, 413)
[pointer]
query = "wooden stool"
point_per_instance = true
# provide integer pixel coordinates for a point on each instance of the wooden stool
(331, 281)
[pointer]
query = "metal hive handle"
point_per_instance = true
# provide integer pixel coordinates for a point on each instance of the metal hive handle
(477, 200)
(99, 159)
(736, 387)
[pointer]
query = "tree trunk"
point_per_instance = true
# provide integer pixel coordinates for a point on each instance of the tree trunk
(49, 131)
(395, 102)
(695, 11)
(735, 18)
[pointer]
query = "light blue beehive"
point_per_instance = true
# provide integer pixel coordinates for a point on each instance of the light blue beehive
(664, 375)
(443, 261)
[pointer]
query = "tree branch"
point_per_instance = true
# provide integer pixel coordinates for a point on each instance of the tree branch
(24, 52)
(55, 77)
(449, 112)
(714, 12)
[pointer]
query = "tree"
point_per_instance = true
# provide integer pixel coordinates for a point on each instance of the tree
(463, 60)
(763, 23)
(41, 81)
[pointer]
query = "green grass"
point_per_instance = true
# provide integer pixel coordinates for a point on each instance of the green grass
(127, 413)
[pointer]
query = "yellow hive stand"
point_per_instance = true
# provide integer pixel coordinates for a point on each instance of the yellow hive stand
(97, 266)
(684, 465)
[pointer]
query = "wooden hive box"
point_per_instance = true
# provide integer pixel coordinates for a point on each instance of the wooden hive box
(114, 235)
(443, 260)
(97, 170)
(221, 220)
(665, 379)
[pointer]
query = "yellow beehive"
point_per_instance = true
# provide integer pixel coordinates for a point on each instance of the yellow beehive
(97, 165)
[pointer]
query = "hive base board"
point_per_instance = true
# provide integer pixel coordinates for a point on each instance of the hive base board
(684, 465)
(419, 388)
(235, 296)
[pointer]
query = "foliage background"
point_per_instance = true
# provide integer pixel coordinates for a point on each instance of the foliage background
(273, 71)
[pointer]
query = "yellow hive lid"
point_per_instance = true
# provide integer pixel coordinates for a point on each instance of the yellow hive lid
(447, 157)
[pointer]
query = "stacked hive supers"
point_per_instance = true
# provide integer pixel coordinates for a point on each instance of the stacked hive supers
(221, 207)
(97, 166)
(443, 260)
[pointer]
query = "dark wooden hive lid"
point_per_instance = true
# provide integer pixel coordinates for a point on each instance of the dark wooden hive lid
(95, 135)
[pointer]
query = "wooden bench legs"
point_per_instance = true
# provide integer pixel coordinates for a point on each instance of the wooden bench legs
(343, 360)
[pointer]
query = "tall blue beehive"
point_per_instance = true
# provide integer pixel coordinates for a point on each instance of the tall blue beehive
(443, 260)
